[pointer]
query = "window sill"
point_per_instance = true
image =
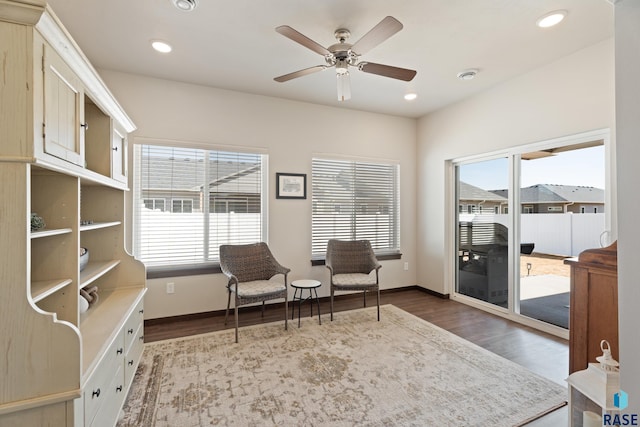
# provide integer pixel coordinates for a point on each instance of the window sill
(381, 257)
(196, 270)
(185, 270)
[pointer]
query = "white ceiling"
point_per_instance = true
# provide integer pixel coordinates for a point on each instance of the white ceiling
(232, 44)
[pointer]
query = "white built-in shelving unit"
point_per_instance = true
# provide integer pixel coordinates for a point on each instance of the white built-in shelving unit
(63, 140)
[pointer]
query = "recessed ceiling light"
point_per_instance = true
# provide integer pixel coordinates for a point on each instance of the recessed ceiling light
(185, 5)
(551, 19)
(410, 96)
(467, 74)
(161, 46)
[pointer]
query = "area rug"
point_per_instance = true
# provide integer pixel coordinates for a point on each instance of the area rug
(401, 371)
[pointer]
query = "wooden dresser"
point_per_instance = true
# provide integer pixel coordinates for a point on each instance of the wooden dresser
(593, 312)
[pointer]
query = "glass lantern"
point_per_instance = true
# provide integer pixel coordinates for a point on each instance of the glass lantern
(591, 391)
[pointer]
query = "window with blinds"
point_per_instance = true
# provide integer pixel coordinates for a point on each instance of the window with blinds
(188, 202)
(355, 200)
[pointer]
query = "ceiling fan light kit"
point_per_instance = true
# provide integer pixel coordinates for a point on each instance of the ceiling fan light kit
(343, 55)
(344, 87)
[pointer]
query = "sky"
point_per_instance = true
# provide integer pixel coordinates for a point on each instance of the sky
(583, 167)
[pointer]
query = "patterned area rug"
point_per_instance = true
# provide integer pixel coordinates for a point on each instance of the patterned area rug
(401, 371)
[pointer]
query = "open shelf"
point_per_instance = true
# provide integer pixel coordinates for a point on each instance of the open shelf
(42, 289)
(98, 225)
(70, 172)
(100, 324)
(96, 269)
(52, 232)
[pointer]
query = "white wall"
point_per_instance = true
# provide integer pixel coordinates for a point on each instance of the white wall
(291, 132)
(627, 23)
(570, 96)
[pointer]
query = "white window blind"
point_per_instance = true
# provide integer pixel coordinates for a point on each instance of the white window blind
(355, 200)
(188, 201)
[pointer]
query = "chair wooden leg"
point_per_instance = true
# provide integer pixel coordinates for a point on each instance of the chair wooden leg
(378, 304)
(226, 314)
(331, 305)
(236, 310)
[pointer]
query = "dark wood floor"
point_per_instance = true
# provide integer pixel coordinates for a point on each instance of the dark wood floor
(542, 353)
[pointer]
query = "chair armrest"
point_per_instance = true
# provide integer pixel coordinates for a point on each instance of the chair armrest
(279, 269)
(373, 262)
(376, 270)
(232, 279)
(285, 273)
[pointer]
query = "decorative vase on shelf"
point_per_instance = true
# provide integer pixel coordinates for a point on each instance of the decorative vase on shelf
(84, 258)
(37, 223)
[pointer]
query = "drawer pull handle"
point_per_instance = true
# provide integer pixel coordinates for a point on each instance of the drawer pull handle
(141, 311)
(96, 393)
(119, 351)
(130, 331)
(141, 338)
(115, 148)
(118, 389)
(131, 362)
(85, 126)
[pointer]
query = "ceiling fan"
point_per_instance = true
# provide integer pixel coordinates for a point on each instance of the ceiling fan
(343, 55)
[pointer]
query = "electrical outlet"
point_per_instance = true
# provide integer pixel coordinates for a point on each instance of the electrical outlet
(406, 266)
(170, 288)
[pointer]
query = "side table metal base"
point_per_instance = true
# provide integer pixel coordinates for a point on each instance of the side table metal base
(299, 286)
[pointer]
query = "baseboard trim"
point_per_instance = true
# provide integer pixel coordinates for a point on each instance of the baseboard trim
(215, 313)
(430, 292)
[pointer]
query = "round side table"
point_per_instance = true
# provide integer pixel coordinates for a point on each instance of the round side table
(298, 287)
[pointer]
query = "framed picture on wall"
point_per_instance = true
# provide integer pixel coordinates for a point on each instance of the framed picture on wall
(291, 185)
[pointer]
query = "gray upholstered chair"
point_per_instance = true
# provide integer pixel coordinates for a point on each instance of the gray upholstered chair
(249, 268)
(350, 263)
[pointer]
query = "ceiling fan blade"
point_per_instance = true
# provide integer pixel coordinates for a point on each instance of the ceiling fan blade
(387, 71)
(300, 73)
(385, 29)
(344, 86)
(305, 41)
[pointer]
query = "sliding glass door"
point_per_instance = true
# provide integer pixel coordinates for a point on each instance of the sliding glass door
(510, 246)
(482, 241)
(562, 199)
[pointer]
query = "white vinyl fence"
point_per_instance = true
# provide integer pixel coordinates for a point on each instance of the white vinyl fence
(165, 237)
(556, 234)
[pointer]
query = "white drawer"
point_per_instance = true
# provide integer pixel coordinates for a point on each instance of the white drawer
(132, 358)
(131, 325)
(95, 391)
(107, 414)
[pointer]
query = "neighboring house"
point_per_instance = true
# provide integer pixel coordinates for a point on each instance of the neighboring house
(553, 198)
(342, 193)
(177, 187)
(473, 200)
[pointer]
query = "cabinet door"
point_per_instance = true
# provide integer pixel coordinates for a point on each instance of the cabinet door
(62, 110)
(119, 155)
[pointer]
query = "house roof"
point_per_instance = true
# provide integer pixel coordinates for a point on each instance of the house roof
(188, 175)
(470, 192)
(556, 193)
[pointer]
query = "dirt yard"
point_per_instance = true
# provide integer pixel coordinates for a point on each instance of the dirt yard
(543, 264)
